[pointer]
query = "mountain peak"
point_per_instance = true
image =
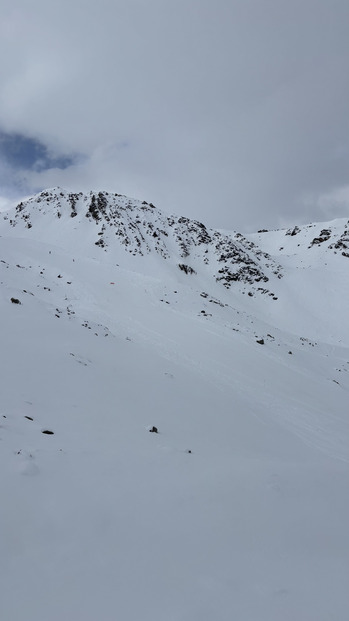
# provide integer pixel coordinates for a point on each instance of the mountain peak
(110, 220)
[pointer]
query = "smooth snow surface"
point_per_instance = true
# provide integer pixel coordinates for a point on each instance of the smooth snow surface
(238, 508)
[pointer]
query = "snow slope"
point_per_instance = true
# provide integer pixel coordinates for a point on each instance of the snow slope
(238, 507)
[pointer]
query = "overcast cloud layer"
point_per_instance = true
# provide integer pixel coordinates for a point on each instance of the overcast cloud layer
(234, 112)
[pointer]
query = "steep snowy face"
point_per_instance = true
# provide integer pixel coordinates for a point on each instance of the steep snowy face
(110, 221)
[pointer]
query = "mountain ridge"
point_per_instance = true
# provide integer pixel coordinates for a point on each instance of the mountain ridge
(141, 228)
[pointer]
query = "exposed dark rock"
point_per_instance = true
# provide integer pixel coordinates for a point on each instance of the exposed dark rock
(186, 268)
(293, 231)
(324, 236)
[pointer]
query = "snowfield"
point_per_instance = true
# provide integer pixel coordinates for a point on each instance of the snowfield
(237, 509)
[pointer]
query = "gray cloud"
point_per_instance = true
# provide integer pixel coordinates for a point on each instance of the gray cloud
(233, 112)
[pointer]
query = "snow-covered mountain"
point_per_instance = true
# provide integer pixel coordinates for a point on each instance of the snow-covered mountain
(117, 318)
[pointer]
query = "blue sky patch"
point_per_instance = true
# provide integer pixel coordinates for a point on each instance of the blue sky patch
(24, 153)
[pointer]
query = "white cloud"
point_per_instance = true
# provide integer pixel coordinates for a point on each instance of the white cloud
(331, 205)
(5, 203)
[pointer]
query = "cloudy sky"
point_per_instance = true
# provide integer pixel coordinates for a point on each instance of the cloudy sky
(234, 112)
